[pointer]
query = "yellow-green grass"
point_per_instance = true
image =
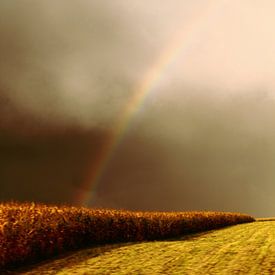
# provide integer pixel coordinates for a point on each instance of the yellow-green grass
(30, 232)
(240, 249)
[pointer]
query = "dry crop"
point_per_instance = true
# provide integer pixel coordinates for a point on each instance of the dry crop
(30, 232)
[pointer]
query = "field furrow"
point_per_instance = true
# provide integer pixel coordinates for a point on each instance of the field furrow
(240, 249)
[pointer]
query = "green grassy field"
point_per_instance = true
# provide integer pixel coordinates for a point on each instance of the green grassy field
(239, 249)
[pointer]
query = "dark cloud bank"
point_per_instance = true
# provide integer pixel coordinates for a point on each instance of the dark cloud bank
(66, 71)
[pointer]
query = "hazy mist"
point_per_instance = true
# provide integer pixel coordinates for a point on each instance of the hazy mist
(204, 139)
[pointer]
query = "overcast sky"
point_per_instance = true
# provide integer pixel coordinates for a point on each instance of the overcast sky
(204, 139)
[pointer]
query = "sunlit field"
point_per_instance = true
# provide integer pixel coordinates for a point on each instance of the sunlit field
(240, 249)
(32, 232)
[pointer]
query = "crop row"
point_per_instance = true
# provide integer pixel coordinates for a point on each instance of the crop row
(30, 232)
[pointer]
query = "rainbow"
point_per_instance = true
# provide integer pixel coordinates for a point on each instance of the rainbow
(178, 45)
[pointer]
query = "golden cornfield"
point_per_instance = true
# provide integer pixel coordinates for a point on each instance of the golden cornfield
(30, 232)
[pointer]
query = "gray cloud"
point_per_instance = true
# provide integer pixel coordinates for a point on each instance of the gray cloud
(205, 153)
(205, 136)
(66, 62)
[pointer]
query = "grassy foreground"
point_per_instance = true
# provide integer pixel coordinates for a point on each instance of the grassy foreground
(31, 232)
(240, 249)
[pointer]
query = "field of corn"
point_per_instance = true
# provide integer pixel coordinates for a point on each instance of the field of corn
(30, 232)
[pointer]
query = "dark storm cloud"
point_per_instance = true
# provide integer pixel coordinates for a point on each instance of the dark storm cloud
(59, 91)
(205, 153)
(47, 168)
(204, 138)
(64, 62)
